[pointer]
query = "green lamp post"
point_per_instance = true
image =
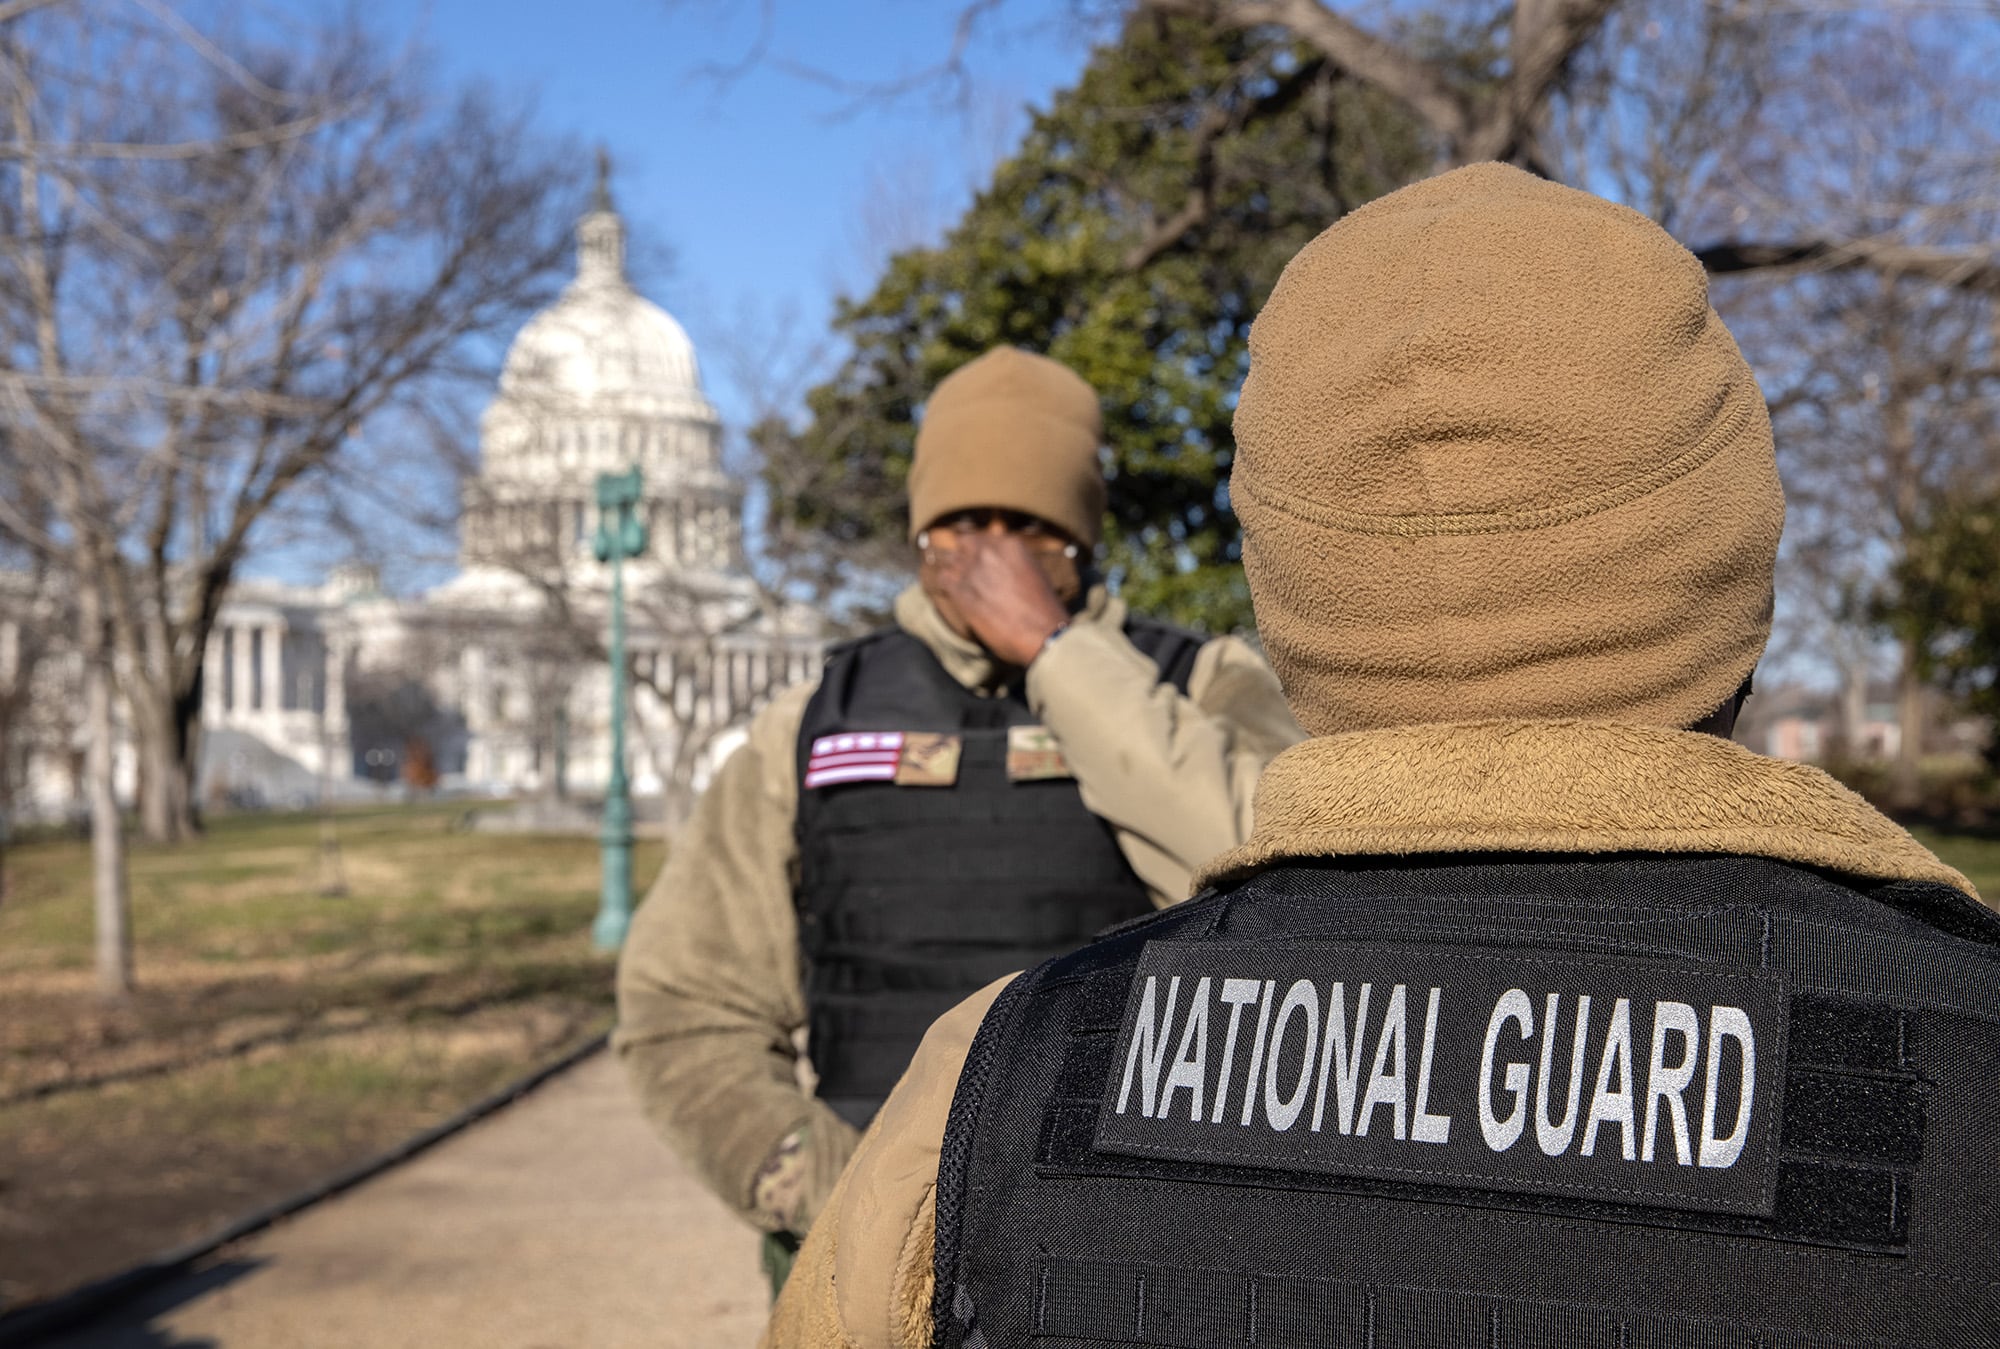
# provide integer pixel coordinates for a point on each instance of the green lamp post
(620, 534)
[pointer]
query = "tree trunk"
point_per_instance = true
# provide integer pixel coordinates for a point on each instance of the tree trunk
(9, 759)
(169, 732)
(107, 839)
(1907, 786)
(1847, 745)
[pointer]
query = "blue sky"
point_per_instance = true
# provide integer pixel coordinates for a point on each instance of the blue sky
(770, 193)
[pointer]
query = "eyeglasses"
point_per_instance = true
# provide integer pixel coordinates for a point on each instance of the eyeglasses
(950, 533)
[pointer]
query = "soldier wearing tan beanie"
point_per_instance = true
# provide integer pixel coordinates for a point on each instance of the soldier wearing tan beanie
(1529, 1015)
(1011, 431)
(1014, 765)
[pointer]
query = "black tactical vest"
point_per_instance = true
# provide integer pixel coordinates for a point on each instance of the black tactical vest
(909, 897)
(1369, 1105)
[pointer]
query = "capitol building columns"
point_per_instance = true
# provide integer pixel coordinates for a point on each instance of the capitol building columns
(276, 675)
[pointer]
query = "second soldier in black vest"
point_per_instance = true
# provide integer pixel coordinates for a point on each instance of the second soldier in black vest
(1017, 764)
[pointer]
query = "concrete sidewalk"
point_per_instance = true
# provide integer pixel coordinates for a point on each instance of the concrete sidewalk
(559, 1223)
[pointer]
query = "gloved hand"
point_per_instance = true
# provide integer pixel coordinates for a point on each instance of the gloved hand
(796, 1180)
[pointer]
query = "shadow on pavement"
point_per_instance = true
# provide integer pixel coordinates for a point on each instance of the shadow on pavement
(129, 1323)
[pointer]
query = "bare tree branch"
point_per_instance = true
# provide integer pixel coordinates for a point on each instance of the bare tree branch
(1543, 38)
(261, 138)
(1354, 49)
(1974, 269)
(1217, 120)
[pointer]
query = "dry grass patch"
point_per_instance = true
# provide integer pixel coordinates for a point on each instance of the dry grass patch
(277, 1033)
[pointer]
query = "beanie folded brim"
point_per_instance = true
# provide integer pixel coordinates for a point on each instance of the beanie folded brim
(1024, 461)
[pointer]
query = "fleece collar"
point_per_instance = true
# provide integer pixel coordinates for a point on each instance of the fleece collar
(1563, 787)
(966, 660)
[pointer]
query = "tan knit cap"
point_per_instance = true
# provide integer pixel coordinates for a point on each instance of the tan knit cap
(1011, 431)
(1497, 457)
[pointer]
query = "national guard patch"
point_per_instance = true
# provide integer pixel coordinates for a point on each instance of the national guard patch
(1629, 1081)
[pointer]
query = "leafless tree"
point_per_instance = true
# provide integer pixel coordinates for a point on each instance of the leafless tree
(1879, 356)
(771, 362)
(1481, 77)
(220, 267)
(34, 622)
(223, 263)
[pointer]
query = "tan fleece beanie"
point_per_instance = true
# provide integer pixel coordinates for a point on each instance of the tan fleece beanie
(1011, 431)
(1497, 457)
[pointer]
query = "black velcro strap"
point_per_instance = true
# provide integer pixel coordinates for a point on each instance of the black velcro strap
(1853, 1124)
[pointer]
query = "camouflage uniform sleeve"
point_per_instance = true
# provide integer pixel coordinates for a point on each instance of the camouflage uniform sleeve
(1175, 775)
(709, 995)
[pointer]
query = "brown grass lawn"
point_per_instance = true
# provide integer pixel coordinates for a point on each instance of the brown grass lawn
(1978, 858)
(277, 1034)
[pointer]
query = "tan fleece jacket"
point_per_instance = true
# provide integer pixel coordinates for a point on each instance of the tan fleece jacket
(710, 1003)
(863, 1280)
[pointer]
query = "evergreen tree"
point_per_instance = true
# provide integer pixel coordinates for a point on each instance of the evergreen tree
(1944, 601)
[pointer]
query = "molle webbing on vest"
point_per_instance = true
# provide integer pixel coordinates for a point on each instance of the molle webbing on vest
(912, 897)
(1875, 1118)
